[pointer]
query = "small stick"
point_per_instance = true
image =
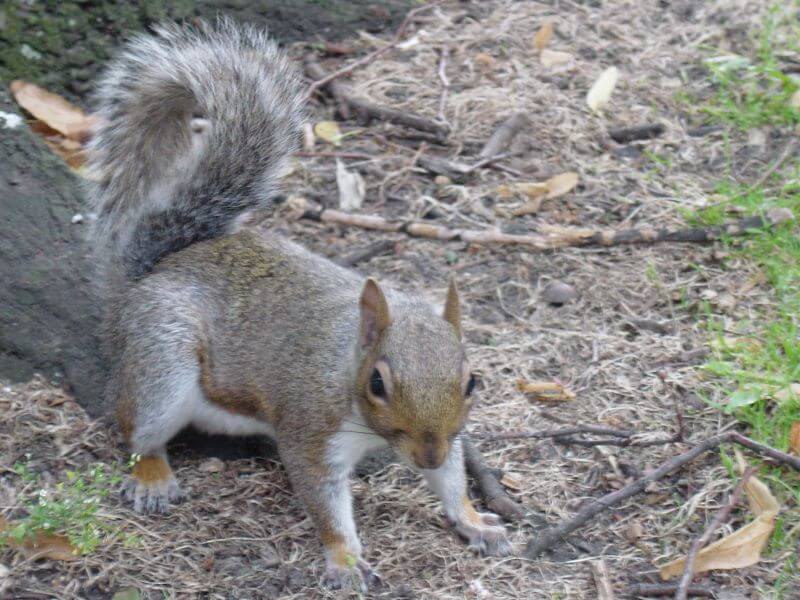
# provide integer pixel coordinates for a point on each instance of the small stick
(445, 83)
(364, 60)
(551, 536)
(350, 155)
(367, 110)
(554, 433)
(379, 248)
(790, 148)
(504, 135)
(720, 518)
(491, 489)
(554, 237)
(625, 135)
(668, 589)
(601, 580)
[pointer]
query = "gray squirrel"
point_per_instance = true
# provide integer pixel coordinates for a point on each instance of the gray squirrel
(238, 331)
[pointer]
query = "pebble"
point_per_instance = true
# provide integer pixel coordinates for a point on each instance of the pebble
(558, 293)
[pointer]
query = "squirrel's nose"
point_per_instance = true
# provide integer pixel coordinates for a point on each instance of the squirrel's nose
(430, 455)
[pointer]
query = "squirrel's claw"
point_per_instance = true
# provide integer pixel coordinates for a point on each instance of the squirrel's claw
(487, 536)
(362, 576)
(152, 497)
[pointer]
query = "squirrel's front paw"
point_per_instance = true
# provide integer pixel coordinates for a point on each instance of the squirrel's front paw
(151, 497)
(484, 532)
(360, 576)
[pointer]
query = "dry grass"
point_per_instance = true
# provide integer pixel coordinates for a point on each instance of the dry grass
(242, 534)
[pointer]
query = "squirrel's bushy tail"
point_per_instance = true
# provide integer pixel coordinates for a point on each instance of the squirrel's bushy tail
(196, 124)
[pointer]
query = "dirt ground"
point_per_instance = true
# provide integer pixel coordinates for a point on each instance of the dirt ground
(628, 347)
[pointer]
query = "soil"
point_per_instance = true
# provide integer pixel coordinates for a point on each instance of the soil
(629, 345)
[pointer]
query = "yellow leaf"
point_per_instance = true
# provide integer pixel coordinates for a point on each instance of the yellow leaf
(528, 189)
(53, 110)
(43, 545)
(546, 391)
(743, 547)
(328, 131)
(600, 92)
(543, 36)
(484, 61)
(553, 58)
(794, 438)
(561, 184)
(512, 482)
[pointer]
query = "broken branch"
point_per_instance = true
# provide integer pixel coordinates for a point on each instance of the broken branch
(721, 516)
(625, 135)
(491, 489)
(551, 536)
(366, 110)
(504, 135)
(551, 238)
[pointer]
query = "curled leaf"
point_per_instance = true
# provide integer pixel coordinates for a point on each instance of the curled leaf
(329, 131)
(553, 58)
(546, 391)
(53, 110)
(559, 185)
(352, 188)
(600, 92)
(543, 36)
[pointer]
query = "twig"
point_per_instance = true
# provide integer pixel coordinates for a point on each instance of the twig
(366, 110)
(554, 433)
(667, 589)
(551, 536)
(625, 135)
(351, 155)
(358, 256)
(790, 148)
(364, 60)
(551, 238)
(601, 580)
(504, 135)
(445, 83)
(491, 489)
(722, 515)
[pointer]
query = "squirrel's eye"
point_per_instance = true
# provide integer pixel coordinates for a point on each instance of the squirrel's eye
(470, 385)
(376, 384)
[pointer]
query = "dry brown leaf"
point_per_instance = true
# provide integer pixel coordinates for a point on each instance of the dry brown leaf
(52, 109)
(553, 58)
(793, 390)
(531, 207)
(543, 36)
(43, 545)
(794, 438)
(484, 61)
(546, 391)
(600, 93)
(743, 547)
(511, 482)
(561, 184)
(328, 131)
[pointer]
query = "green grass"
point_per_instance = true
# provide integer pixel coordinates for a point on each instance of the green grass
(68, 508)
(756, 358)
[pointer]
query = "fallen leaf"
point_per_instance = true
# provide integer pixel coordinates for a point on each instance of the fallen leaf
(522, 188)
(794, 101)
(553, 58)
(600, 92)
(792, 391)
(42, 545)
(743, 547)
(212, 465)
(329, 131)
(52, 109)
(543, 36)
(546, 391)
(742, 397)
(561, 184)
(634, 532)
(794, 438)
(130, 593)
(484, 61)
(511, 482)
(352, 188)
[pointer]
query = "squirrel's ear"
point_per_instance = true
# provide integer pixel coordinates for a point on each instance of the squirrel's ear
(452, 308)
(374, 313)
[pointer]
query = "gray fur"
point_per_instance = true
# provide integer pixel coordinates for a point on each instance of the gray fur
(158, 184)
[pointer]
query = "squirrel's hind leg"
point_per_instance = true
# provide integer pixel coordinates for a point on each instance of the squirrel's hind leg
(152, 485)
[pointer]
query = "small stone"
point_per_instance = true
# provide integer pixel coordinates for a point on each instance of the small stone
(78, 218)
(212, 465)
(29, 52)
(442, 180)
(558, 293)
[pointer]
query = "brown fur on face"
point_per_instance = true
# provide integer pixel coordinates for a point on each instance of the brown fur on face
(421, 361)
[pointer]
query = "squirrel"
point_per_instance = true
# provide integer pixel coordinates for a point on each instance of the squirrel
(236, 330)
